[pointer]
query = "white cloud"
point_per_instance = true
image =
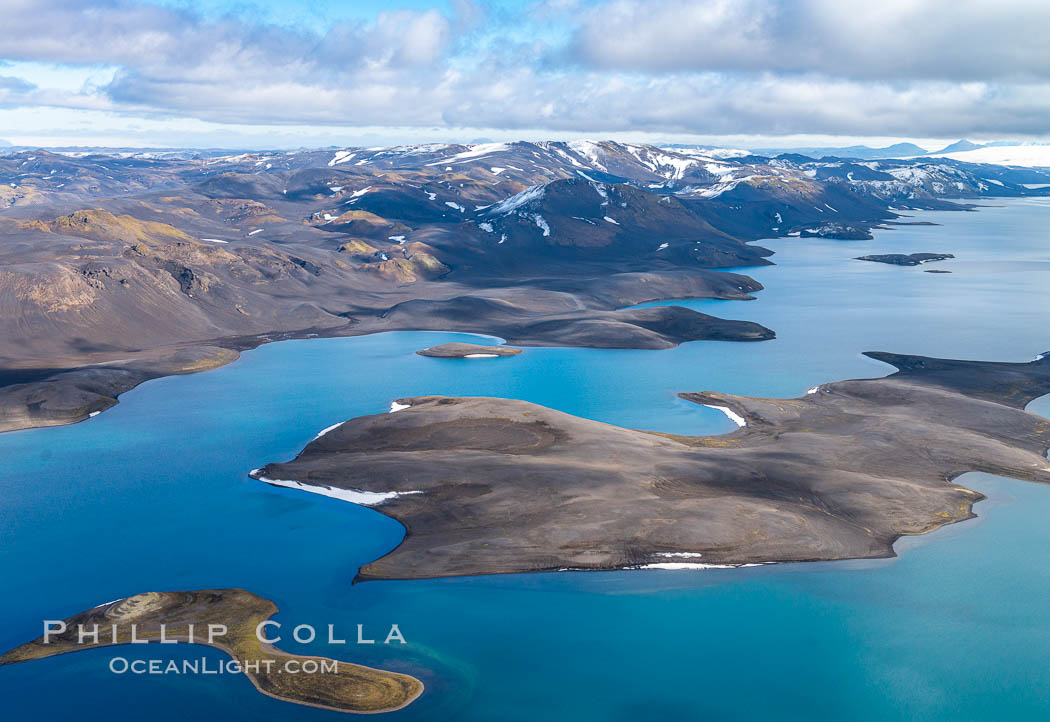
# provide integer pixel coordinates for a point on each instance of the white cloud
(889, 39)
(678, 68)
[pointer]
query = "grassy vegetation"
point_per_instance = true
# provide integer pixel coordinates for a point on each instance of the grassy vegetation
(102, 225)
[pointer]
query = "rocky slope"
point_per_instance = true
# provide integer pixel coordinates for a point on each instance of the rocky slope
(486, 486)
(118, 264)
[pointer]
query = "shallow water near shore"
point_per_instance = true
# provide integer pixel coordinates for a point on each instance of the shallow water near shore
(154, 495)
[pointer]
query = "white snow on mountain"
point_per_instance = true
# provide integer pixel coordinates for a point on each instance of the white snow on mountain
(589, 150)
(476, 151)
(715, 190)
(556, 148)
(541, 223)
(1021, 155)
(509, 205)
(713, 153)
(417, 149)
(341, 156)
(670, 165)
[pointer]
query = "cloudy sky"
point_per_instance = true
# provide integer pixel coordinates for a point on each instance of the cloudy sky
(278, 73)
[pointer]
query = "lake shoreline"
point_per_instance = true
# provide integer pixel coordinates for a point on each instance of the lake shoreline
(78, 392)
(772, 491)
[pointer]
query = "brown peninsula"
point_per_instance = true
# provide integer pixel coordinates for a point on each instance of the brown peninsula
(507, 486)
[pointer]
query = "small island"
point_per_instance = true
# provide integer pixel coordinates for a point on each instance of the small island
(838, 231)
(184, 617)
(468, 350)
(903, 259)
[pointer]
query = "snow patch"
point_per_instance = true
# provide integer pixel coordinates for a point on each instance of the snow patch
(733, 416)
(589, 150)
(341, 156)
(690, 565)
(474, 152)
(509, 205)
(540, 223)
(355, 496)
(324, 431)
(1021, 155)
(592, 180)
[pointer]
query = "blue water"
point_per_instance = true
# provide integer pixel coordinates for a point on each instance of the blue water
(153, 494)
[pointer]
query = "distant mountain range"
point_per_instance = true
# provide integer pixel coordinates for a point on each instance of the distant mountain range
(1006, 154)
(863, 152)
(1010, 153)
(83, 151)
(960, 146)
(996, 152)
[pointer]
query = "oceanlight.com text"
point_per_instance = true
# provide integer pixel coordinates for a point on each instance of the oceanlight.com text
(203, 665)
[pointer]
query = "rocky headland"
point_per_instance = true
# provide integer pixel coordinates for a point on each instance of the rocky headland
(487, 486)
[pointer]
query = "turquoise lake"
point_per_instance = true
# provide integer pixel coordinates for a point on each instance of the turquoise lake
(154, 495)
